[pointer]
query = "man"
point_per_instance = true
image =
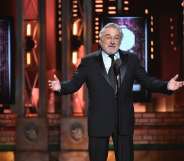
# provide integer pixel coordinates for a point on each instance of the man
(110, 111)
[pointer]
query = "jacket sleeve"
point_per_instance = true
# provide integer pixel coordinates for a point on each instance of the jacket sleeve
(148, 82)
(78, 78)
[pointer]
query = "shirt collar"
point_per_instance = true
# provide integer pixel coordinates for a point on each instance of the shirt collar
(116, 55)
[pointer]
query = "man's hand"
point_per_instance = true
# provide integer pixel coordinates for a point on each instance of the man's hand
(54, 84)
(173, 84)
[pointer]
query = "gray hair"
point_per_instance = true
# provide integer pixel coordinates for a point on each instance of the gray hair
(111, 25)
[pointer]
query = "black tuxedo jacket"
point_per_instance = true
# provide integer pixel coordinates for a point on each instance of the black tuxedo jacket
(104, 111)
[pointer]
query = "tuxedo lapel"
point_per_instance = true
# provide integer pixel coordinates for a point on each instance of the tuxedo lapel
(102, 68)
(123, 68)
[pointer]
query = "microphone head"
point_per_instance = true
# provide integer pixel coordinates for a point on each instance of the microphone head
(116, 66)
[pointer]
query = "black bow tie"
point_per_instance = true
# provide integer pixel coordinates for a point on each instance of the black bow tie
(112, 57)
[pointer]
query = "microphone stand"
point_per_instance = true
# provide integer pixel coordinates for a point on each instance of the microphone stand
(117, 65)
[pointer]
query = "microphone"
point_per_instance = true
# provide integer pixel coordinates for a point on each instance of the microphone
(116, 68)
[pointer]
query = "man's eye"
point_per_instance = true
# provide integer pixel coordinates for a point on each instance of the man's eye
(117, 38)
(108, 37)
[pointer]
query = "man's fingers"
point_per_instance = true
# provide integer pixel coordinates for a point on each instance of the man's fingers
(181, 83)
(54, 84)
(49, 83)
(175, 77)
(55, 77)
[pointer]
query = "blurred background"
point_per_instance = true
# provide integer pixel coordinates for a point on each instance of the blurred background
(40, 38)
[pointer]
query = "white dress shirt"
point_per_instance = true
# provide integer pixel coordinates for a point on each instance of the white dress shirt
(107, 60)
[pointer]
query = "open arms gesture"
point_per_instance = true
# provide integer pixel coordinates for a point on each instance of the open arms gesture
(173, 84)
(54, 84)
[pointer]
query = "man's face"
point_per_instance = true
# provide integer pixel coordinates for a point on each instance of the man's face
(110, 40)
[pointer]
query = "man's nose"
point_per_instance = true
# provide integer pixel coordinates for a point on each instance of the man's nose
(112, 41)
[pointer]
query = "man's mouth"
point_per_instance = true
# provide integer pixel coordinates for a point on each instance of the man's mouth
(111, 46)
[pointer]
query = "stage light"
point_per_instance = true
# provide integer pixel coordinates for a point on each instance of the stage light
(74, 57)
(112, 12)
(126, 2)
(60, 39)
(59, 32)
(126, 8)
(98, 5)
(29, 43)
(75, 10)
(172, 27)
(112, 8)
(139, 107)
(75, 15)
(152, 29)
(152, 56)
(75, 6)
(99, 10)
(29, 39)
(99, 1)
(28, 30)
(174, 48)
(172, 35)
(59, 12)
(126, 5)
(182, 4)
(152, 42)
(59, 19)
(59, 26)
(75, 28)
(171, 19)
(152, 49)
(152, 23)
(146, 11)
(97, 27)
(74, 1)
(172, 42)
(76, 38)
(28, 58)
